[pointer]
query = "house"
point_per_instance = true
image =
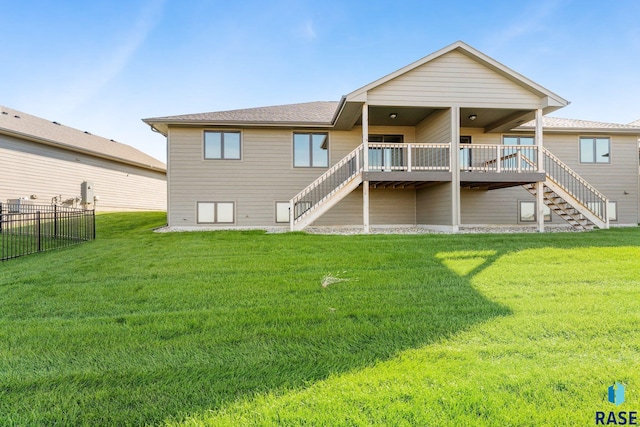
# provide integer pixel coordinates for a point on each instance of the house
(453, 139)
(46, 162)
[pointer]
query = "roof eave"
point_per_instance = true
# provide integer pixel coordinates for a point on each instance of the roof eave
(163, 125)
(75, 149)
(581, 130)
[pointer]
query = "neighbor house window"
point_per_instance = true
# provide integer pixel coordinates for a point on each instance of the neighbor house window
(311, 150)
(222, 145)
(282, 212)
(597, 208)
(215, 212)
(528, 212)
(595, 150)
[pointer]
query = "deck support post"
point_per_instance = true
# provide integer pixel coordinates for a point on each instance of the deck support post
(540, 206)
(365, 206)
(365, 163)
(540, 160)
(455, 168)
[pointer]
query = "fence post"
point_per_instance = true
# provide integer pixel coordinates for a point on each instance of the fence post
(55, 221)
(1, 219)
(38, 243)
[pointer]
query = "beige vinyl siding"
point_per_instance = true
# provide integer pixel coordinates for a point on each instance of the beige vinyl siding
(612, 179)
(263, 176)
(29, 168)
(433, 205)
(436, 128)
(501, 206)
(392, 206)
(494, 207)
(386, 207)
(453, 79)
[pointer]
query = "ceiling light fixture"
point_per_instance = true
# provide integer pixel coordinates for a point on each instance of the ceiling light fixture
(472, 117)
(393, 115)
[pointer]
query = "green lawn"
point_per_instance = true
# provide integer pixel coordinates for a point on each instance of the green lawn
(235, 328)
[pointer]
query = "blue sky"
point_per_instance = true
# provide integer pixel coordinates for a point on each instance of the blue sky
(102, 65)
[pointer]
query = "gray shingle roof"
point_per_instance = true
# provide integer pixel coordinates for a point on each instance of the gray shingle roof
(19, 123)
(559, 123)
(321, 113)
(635, 123)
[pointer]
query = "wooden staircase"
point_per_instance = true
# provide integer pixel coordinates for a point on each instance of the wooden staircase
(327, 190)
(571, 197)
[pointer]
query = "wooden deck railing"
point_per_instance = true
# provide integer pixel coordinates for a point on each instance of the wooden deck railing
(409, 157)
(499, 158)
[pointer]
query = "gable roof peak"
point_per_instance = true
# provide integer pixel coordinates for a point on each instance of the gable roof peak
(475, 55)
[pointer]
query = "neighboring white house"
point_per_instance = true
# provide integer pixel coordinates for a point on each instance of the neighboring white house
(453, 139)
(45, 162)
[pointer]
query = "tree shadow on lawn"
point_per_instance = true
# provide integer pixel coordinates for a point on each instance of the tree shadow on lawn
(274, 328)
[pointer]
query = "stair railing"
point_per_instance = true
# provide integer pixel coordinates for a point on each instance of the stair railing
(326, 184)
(566, 178)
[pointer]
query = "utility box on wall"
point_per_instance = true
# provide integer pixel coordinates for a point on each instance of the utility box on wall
(86, 192)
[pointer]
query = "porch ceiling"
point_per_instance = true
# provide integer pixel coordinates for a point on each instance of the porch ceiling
(489, 119)
(494, 119)
(405, 116)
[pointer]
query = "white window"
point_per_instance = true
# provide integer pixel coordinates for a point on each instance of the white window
(215, 213)
(282, 212)
(527, 212)
(222, 145)
(595, 150)
(311, 150)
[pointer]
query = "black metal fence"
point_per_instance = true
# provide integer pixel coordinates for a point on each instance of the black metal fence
(26, 229)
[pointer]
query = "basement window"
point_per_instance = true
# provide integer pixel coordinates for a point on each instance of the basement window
(216, 213)
(527, 212)
(282, 212)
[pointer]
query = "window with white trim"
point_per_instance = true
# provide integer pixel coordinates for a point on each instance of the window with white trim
(527, 212)
(222, 145)
(311, 150)
(282, 212)
(215, 213)
(595, 150)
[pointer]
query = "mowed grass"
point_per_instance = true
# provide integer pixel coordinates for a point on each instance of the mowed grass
(235, 328)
